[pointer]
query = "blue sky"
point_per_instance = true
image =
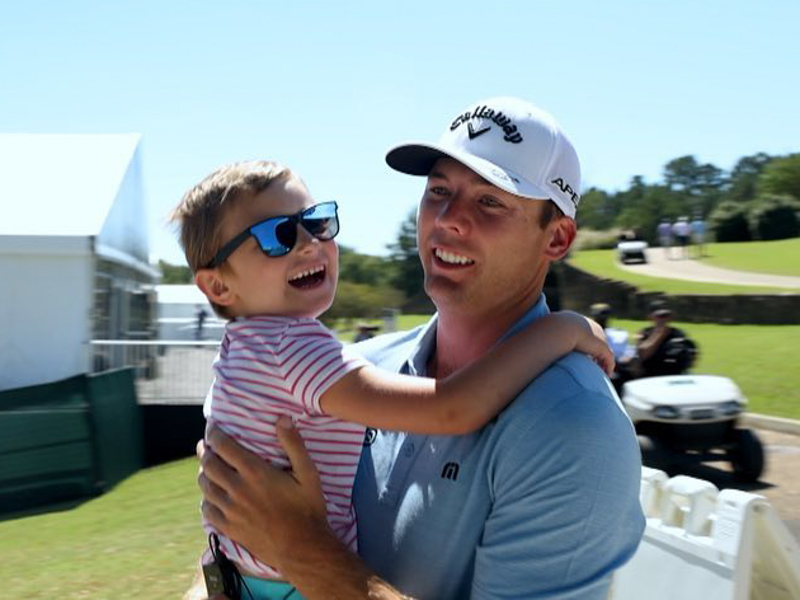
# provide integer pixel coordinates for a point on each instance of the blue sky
(327, 87)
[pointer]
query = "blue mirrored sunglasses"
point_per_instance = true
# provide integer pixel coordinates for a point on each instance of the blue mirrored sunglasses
(277, 236)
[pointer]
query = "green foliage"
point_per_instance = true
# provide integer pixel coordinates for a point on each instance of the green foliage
(589, 239)
(775, 217)
(646, 205)
(781, 176)
(729, 222)
(744, 177)
(407, 275)
(361, 301)
(364, 268)
(174, 273)
(598, 210)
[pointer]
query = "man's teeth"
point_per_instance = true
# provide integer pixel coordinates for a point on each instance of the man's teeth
(307, 273)
(455, 259)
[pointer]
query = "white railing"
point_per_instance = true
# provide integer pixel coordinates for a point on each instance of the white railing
(167, 371)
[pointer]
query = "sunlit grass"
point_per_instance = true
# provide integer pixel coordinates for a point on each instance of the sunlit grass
(141, 540)
(603, 263)
(779, 257)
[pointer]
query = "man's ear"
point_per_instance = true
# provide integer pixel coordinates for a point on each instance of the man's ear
(562, 232)
(214, 287)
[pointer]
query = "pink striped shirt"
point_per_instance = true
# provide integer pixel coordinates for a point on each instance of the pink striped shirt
(273, 366)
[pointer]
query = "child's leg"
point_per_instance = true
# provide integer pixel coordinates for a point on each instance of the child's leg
(266, 589)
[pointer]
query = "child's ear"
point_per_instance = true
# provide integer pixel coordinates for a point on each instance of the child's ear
(214, 287)
(561, 233)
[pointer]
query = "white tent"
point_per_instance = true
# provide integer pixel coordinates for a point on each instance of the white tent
(73, 252)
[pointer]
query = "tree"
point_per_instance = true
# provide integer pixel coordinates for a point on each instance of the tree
(729, 222)
(781, 176)
(774, 217)
(701, 185)
(174, 273)
(407, 275)
(364, 268)
(598, 210)
(744, 177)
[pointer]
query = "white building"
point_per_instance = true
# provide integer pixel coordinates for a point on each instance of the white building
(74, 262)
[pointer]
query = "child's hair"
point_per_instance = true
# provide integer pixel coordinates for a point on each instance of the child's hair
(201, 210)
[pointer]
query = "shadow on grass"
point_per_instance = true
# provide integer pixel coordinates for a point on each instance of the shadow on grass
(52, 507)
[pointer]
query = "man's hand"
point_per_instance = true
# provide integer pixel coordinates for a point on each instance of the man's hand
(267, 510)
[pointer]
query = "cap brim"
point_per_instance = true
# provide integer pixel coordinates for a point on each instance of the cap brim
(418, 158)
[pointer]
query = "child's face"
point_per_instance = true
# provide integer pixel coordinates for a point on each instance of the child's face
(264, 285)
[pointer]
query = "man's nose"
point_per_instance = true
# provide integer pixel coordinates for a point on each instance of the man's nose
(453, 215)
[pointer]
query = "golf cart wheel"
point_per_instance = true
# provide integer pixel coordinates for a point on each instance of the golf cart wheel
(747, 455)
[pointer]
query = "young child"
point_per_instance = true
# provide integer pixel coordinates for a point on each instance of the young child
(263, 253)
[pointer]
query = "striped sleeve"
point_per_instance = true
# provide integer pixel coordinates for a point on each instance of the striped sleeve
(312, 360)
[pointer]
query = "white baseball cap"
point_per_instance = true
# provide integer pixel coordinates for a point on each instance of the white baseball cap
(511, 143)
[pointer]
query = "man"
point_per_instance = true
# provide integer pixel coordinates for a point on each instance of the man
(624, 352)
(664, 231)
(541, 503)
(661, 348)
(699, 234)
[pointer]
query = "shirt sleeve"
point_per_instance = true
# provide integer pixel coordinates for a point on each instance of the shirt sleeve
(566, 510)
(312, 360)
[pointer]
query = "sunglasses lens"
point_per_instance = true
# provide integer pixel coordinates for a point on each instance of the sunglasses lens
(275, 236)
(321, 221)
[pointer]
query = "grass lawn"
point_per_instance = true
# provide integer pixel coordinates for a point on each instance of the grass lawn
(603, 264)
(761, 359)
(141, 540)
(780, 257)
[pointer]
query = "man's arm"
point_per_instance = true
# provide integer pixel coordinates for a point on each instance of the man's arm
(280, 517)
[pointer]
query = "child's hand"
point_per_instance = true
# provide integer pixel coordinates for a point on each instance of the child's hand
(591, 339)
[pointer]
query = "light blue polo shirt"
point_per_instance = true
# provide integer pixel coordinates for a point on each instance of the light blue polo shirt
(543, 502)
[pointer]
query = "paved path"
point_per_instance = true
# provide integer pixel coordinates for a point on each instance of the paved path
(658, 265)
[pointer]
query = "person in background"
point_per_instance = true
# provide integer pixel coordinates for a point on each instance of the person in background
(699, 235)
(660, 346)
(618, 341)
(364, 331)
(664, 232)
(682, 230)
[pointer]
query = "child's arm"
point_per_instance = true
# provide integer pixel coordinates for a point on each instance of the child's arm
(469, 398)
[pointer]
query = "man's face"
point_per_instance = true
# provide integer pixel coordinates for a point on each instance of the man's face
(482, 248)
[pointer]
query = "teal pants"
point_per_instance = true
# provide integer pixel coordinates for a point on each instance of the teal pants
(264, 589)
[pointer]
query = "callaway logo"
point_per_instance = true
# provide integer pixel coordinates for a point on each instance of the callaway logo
(567, 189)
(473, 134)
(484, 112)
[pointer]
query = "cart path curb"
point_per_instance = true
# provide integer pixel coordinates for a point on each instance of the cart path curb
(772, 423)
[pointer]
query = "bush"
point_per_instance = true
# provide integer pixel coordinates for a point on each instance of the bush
(729, 222)
(590, 239)
(774, 217)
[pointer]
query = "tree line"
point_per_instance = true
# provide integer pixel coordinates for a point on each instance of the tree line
(758, 199)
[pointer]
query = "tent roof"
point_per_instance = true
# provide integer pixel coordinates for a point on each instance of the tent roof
(60, 185)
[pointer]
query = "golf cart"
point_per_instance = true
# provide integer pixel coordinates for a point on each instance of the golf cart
(630, 248)
(681, 417)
